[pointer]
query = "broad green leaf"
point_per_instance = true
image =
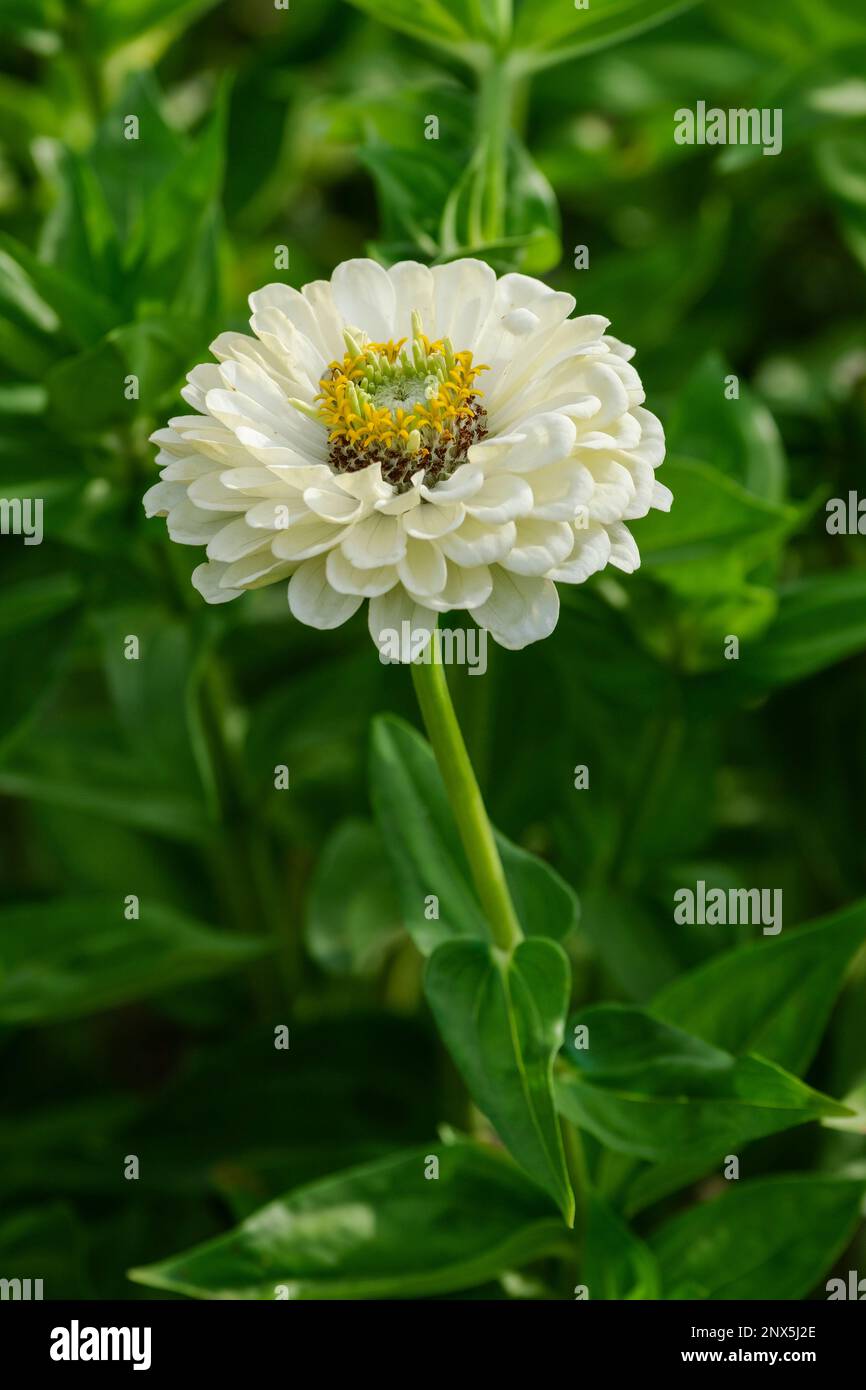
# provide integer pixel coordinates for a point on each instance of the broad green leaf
(555, 31)
(87, 391)
(820, 620)
(346, 1236)
(80, 767)
(644, 1088)
(420, 833)
(37, 627)
(165, 675)
(769, 1239)
(715, 533)
(502, 1020)
(616, 1263)
(773, 996)
(411, 189)
(70, 956)
(738, 437)
(353, 917)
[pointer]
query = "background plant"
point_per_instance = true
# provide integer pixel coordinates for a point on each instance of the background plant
(154, 1037)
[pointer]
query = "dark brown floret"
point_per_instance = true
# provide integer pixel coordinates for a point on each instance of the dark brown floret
(440, 453)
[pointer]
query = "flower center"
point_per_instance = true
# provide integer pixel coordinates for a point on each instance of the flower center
(410, 405)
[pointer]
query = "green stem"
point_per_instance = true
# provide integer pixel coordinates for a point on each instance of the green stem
(437, 710)
(494, 127)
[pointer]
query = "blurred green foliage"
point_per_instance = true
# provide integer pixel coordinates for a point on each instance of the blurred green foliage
(304, 128)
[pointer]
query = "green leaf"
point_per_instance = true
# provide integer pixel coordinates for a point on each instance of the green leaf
(412, 186)
(772, 997)
(165, 675)
(80, 767)
(738, 437)
(71, 956)
(56, 302)
(37, 628)
(820, 620)
(79, 236)
(418, 828)
(770, 1239)
(87, 391)
(346, 1236)
(531, 240)
(459, 26)
(616, 1263)
(644, 1088)
(550, 31)
(112, 23)
(502, 1020)
(354, 915)
(716, 531)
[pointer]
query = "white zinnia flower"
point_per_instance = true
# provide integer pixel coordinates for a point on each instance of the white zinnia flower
(425, 439)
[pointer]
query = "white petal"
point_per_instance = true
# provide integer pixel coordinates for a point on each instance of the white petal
(539, 546)
(256, 570)
(429, 521)
(623, 548)
(652, 445)
(365, 298)
(465, 293)
(423, 570)
(399, 626)
(346, 578)
(307, 537)
(466, 588)
(233, 541)
(279, 513)
(367, 485)
(560, 491)
(590, 554)
(188, 525)
(541, 441)
(519, 610)
(613, 492)
(375, 541)
(159, 499)
(476, 543)
(333, 504)
(210, 492)
(662, 498)
(414, 289)
(502, 498)
(206, 578)
(464, 482)
(313, 601)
